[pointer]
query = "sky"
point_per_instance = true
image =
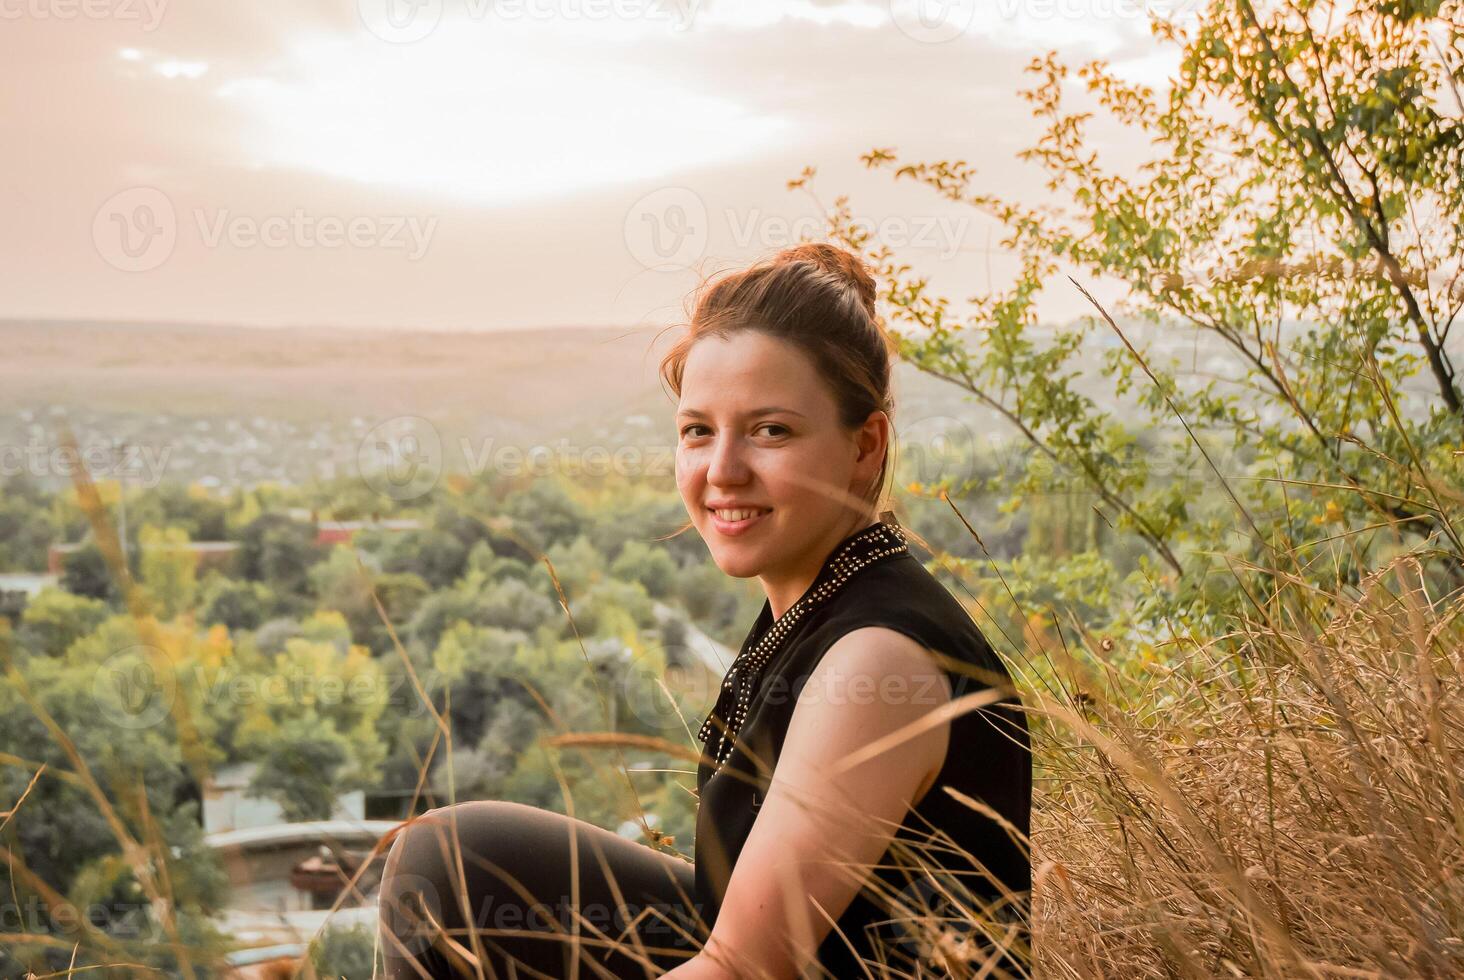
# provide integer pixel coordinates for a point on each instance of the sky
(482, 165)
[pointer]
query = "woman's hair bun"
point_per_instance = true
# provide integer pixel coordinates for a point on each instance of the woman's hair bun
(837, 262)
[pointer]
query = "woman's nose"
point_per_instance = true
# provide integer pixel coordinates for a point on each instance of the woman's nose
(728, 465)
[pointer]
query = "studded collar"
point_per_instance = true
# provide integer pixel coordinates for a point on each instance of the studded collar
(873, 543)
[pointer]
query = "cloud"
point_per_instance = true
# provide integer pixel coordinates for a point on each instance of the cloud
(173, 68)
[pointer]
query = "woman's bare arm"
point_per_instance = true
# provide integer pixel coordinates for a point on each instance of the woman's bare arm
(823, 818)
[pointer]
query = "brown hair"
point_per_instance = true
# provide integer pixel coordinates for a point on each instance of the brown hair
(819, 298)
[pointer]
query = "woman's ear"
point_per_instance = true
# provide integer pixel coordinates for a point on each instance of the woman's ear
(872, 438)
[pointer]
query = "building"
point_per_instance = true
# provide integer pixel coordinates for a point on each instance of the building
(17, 589)
(343, 532)
(285, 878)
(29, 583)
(227, 804)
(210, 554)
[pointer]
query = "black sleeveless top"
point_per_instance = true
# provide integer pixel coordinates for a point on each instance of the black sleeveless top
(872, 579)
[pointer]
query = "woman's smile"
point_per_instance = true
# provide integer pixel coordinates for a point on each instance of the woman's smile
(734, 521)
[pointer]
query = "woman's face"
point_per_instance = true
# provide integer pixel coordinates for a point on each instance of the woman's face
(759, 430)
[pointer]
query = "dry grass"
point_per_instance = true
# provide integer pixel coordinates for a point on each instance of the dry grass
(1281, 801)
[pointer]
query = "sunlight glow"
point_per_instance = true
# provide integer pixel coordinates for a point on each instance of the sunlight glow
(490, 113)
(181, 69)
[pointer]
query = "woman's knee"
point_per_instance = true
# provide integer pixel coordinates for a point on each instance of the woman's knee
(432, 874)
(430, 855)
(441, 840)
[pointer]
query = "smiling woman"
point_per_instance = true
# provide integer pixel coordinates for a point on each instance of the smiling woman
(866, 780)
(864, 703)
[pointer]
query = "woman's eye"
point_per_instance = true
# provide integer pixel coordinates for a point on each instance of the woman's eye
(690, 430)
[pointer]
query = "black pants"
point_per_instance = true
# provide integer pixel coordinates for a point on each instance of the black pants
(506, 886)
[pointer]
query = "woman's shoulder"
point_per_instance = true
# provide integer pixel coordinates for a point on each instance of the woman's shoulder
(902, 595)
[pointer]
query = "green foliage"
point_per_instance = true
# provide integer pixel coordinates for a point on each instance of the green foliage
(343, 953)
(612, 608)
(169, 569)
(1302, 210)
(510, 604)
(84, 572)
(27, 526)
(341, 583)
(577, 565)
(279, 552)
(490, 566)
(139, 768)
(651, 567)
(475, 663)
(232, 603)
(55, 619)
(314, 730)
(723, 614)
(435, 556)
(300, 768)
(289, 666)
(547, 515)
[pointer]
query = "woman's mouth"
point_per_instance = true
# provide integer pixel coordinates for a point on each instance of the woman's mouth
(737, 520)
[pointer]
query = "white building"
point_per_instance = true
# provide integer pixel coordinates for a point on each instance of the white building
(285, 878)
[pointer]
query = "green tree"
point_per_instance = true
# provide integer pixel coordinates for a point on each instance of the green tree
(1302, 209)
(84, 572)
(513, 604)
(612, 608)
(344, 952)
(491, 566)
(169, 568)
(301, 769)
(27, 527)
(120, 838)
(279, 552)
(577, 564)
(436, 556)
(652, 567)
(312, 726)
(236, 604)
(341, 583)
(543, 513)
(477, 664)
(55, 619)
